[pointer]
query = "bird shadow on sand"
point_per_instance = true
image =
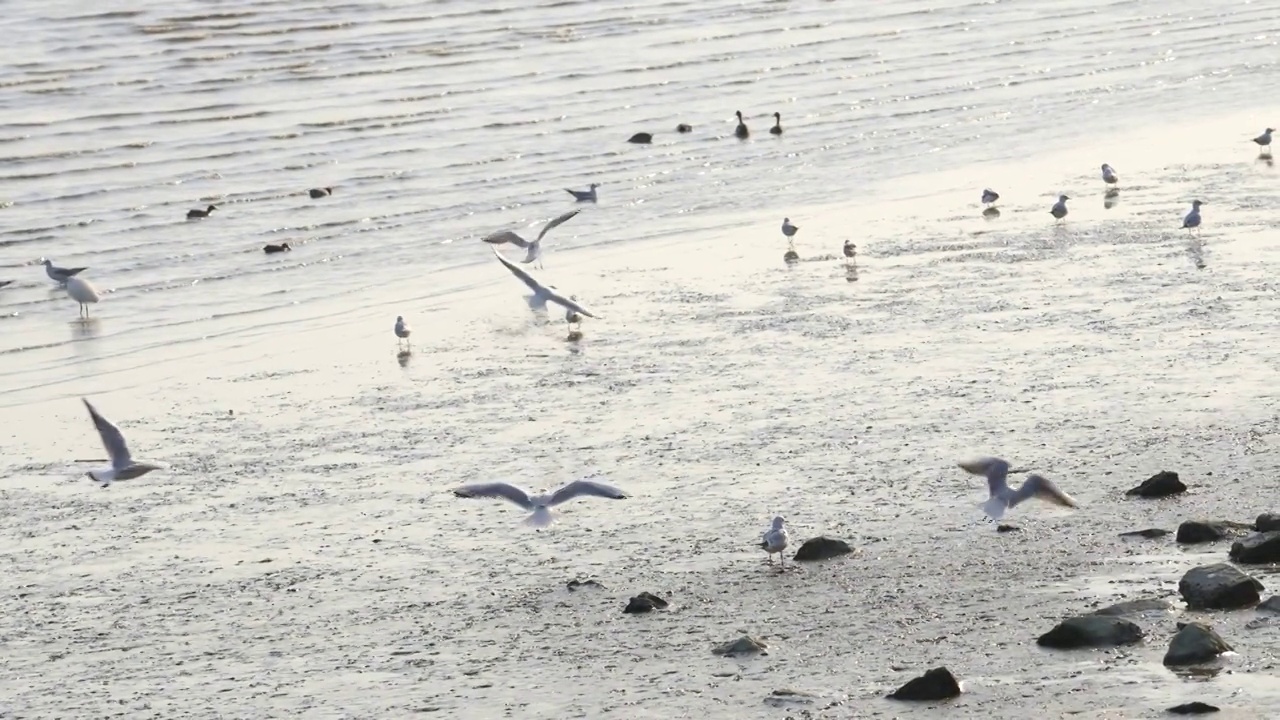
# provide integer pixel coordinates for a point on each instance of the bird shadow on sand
(1265, 158)
(403, 357)
(1110, 199)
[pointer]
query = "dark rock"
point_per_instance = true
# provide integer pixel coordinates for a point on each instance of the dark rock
(644, 602)
(745, 645)
(1272, 604)
(1218, 587)
(1162, 484)
(1149, 533)
(1136, 607)
(641, 138)
(1267, 522)
(789, 698)
(1091, 631)
(1201, 531)
(936, 684)
(1193, 708)
(576, 584)
(822, 548)
(1257, 548)
(1007, 528)
(1194, 644)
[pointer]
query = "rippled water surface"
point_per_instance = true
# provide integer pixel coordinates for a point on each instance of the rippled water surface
(303, 554)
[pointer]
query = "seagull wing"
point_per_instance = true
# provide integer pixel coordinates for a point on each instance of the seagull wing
(534, 252)
(525, 277)
(499, 490)
(569, 304)
(506, 236)
(994, 468)
(579, 488)
(556, 221)
(1043, 489)
(112, 440)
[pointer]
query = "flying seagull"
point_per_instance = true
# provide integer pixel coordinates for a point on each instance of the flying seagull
(543, 293)
(534, 249)
(123, 466)
(540, 505)
(1004, 497)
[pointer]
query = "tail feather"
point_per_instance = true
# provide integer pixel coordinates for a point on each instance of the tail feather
(542, 517)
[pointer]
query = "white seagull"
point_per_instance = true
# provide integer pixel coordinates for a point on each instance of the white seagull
(1192, 220)
(83, 292)
(1264, 139)
(402, 329)
(123, 466)
(1003, 497)
(534, 248)
(542, 294)
(775, 541)
(1059, 209)
(540, 505)
(1109, 175)
(58, 273)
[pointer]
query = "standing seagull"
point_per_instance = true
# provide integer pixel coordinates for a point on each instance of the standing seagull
(588, 195)
(1109, 175)
(540, 505)
(82, 292)
(60, 274)
(741, 131)
(850, 249)
(534, 248)
(775, 541)
(1192, 220)
(989, 196)
(1003, 497)
(542, 293)
(123, 466)
(788, 229)
(1264, 140)
(1060, 208)
(402, 330)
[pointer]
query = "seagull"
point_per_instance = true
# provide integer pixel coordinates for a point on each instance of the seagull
(775, 541)
(402, 329)
(850, 249)
(540, 505)
(60, 274)
(989, 196)
(788, 229)
(1109, 175)
(123, 467)
(588, 195)
(534, 248)
(191, 214)
(82, 292)
(777, 124)
(1003, 497)
(1192, 220)
(741, 131)
(1060, 208)
(1265, 138)
(543, 293)
(571, 316)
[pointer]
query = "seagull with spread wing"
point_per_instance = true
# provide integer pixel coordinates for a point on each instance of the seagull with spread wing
(533, 249)
(123, 466)
(1004, 497)
(542, 294)
(540, 505)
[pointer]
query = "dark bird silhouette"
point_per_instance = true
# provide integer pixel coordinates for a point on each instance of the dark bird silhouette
(641, 138)
(320, 192)
(741, 131)
(683, 128)
(777, 124)
(200, 213)
(282, 247)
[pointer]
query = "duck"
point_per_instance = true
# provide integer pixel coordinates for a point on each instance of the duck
(282, 247)
(200, 213)
(741, 131)
(777, 124)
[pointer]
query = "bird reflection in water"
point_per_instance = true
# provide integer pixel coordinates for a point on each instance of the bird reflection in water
(84, 328)
(1265, 157)
(1110, 198)
(1196, 250)
(403, 356)
(851, 271)
(991, 213)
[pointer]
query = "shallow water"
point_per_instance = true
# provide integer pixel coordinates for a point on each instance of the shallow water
(303, 554)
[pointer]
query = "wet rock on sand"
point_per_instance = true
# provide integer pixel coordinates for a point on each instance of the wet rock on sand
(1267, 522)
(1202, 531)
(1193, 708)
(1149, 533)
(1218, 587)
(645, 602)
(576, 584)
(1091, 631)
(745, 645)
(1272, 604)
(1257, 548)
(1194, 643)
(936, 684)
(1136, 607)
(1162, 484)
(822, 548)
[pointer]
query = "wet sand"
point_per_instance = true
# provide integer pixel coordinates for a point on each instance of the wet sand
(304, 555)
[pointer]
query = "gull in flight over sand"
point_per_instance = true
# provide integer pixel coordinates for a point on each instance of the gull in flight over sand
(775, 541)
(540, 505)
(58, 273)
(588, 195)
(123, 466)
(542, 294)
(1059, 209)
(1004, 497)
(1109, 175)
(1192, 220)
(534, 249)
